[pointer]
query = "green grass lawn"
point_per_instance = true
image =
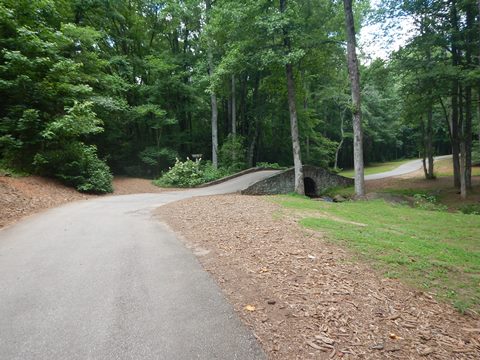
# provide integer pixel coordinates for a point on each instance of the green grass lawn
(435, 251)
(375, 168)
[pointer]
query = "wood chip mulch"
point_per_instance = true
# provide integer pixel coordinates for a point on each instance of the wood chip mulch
(24, 196)
(304, 298)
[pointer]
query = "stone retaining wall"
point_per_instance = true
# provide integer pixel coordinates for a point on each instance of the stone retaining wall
(283, 183)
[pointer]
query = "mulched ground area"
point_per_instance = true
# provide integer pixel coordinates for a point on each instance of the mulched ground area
(304, 297)
(20, 197)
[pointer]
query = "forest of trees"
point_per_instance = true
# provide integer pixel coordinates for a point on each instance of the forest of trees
(94, 87)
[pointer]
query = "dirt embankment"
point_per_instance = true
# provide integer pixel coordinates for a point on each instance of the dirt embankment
(304, 297)
(20, 197)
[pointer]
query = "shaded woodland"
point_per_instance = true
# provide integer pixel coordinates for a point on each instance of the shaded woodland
(94, 87)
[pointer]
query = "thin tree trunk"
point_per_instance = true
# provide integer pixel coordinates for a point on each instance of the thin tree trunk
(213, 100)
(454, 128)
(478, 64)
(297, 160)
(339, 147)
(234, 108)
(292, 106)
(470, 22)
(256, 125)
(462, 146)
(463, 183)
(356, 100)
(429, 143)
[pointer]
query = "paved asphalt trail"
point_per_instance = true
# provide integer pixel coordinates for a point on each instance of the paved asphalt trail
(403, 169)
(102, 279)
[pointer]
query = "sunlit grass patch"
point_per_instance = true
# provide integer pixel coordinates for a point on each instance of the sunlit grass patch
(433, 250)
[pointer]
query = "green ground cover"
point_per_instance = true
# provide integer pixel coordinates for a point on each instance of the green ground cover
(376, 168)
(436, 251)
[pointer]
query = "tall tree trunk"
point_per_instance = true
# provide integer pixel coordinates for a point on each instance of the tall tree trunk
(478, 63)
(292, 106)
(462, 146)
(424, 148)
(213, 100)
(234, 108)
(470, 21)
(429, 144)
(297, 160)
(254, 128)
(454, 128)
(356, 100)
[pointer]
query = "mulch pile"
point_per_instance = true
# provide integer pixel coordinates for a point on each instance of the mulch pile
(305, 298)
(20, 197)
(23, 196)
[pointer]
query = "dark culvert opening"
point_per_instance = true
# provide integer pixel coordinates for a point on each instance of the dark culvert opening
(310, 187)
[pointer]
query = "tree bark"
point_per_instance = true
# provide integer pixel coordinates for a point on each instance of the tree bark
(462, 147)
(254, 128)
(234, 108)
(339, 147)
(468, 134)
(454, 127)
(297, 160)
(356, 99)
(478, 63)
(292, 106)
(429, 144)
(213, 100)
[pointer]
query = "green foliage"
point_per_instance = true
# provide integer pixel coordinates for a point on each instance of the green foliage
(78, 165)
(232, 154)
(132, 78)
(428, 202)
(157, 159)
(183, 174)
(470, 209)
(190, 173)
(79, 120)
(267, 165)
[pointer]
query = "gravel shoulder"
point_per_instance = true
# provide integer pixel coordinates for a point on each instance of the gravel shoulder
(304, 297)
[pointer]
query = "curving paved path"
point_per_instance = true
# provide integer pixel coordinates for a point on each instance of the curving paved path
(403, 169)
(102, 279)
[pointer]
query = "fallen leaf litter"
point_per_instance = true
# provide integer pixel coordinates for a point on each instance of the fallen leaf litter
(325, 305)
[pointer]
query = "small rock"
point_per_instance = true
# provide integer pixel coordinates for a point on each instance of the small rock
(339, 199)
(424, 350)
(271, 302)
(380, 346)
(325, 339)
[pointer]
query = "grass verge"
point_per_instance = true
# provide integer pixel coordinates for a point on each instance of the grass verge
(438, 252)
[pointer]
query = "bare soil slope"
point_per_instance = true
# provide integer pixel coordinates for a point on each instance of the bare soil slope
(20, 197)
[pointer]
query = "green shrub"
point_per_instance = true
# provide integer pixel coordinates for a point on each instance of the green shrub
(471, 209)
(232, 154)
(428, 202)
(183, 174)
(156, 158)
(211, 174)
(77, 165)
(268, 165)
(190, 173)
